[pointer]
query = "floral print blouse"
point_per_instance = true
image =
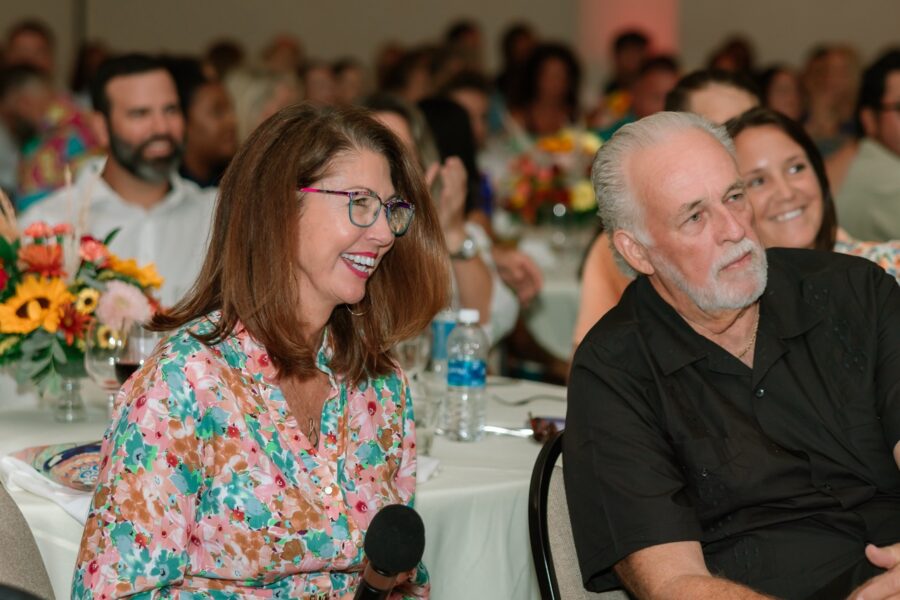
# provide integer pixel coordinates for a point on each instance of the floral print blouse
(884, 254)
(209, 489)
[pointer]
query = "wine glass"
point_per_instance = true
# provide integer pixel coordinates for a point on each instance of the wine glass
(139, 344)
(413, 354)
(102, 345)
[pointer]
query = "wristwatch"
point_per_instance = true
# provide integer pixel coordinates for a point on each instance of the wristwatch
(468, 250)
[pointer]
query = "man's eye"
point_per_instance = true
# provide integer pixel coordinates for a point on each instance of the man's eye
(736, 197)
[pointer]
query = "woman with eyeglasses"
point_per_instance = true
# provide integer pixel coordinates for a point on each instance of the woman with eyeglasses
(248, 455)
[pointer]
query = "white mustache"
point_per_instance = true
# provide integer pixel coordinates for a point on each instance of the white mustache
(735, 252)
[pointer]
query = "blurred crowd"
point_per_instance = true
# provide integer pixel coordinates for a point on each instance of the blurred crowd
(439, 97)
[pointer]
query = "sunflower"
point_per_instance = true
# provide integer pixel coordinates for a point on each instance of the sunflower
(37, 303)
(87, 301)
(146, 276)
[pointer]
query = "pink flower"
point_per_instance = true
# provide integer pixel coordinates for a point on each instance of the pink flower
(94, 251)
(123, 305)
(38, 229)
(62, 229)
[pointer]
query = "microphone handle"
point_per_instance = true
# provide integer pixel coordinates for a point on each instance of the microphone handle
(374, 585)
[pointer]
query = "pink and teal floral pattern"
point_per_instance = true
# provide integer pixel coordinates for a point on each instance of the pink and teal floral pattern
(209, 489)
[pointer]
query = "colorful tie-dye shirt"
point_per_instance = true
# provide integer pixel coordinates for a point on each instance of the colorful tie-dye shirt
(209, 489)
(884, 254)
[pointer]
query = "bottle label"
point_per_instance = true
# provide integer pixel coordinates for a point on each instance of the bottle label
(466, 373)
(440, 331)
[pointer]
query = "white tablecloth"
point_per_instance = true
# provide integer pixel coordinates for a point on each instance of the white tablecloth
(474, 507)
(550, 318)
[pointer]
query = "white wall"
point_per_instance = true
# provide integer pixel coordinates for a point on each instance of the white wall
(785, 30)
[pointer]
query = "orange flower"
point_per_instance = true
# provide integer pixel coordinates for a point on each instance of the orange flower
(45, 260)
(73, 324)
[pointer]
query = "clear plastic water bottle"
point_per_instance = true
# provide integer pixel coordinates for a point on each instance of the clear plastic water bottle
(441, 327)
(467, 351)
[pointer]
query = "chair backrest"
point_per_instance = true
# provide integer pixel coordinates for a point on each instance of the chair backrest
(552, 545)
(21, 565)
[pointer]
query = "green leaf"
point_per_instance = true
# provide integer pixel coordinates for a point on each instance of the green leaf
(9, 252)
(110, 236)
(59, 354)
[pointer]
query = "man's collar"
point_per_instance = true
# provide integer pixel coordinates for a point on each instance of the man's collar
(790, 307)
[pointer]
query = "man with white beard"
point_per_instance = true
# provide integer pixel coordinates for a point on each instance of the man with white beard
(733, 423)
(162, 218)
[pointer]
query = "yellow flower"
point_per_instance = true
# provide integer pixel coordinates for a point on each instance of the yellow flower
(146, 276)
(37, 303)
(590, 143)
(87, 301)
(583, 198)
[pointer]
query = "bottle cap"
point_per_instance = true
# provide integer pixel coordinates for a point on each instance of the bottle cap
(469, 316)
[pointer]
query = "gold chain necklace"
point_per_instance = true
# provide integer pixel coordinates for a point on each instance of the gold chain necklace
(753, 337)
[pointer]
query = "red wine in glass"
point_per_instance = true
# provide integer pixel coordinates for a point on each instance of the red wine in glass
(124, 370)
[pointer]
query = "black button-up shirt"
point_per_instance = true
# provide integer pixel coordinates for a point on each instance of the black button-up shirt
(780, 470)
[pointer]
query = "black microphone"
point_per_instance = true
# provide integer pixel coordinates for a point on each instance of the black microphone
(394, 544)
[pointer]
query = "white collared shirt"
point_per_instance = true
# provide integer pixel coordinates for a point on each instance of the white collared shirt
(172, 234)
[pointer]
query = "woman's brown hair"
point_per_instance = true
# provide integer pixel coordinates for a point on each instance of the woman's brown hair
(249, 266)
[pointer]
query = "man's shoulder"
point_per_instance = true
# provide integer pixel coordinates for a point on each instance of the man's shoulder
(50, 209)
(618, 328)
(803, 264)
(874, 168)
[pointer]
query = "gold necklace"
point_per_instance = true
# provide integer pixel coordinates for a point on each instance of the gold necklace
(753, 337)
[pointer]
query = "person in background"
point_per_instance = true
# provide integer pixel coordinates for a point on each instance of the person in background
(64, 138)
(831, 81)
(517, 270)
(715, 95)
(90, 56)
(222, 57)
(732, 428)
(629, 53)
(210, 125)
(516, 45)
(161, 217)
(547, 99)
(657, 77)
(25, 95)
(318, 84)
(465, 37)
(247, 457)
(409, 77)
(868, 199)
(473, 280)
(257, 95)
(31, 42)
(284, 55)
(735, 55)
(788, 188)
(351, 85)
(781, 90)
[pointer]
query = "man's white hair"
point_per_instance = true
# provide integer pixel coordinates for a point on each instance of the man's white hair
(616, 205)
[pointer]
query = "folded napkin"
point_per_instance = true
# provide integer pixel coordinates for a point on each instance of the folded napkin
(425, 468)
(17, 474)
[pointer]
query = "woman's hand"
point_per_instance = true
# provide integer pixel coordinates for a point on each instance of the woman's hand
(451, 202)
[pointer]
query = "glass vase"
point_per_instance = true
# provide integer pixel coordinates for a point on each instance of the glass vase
(68, 406)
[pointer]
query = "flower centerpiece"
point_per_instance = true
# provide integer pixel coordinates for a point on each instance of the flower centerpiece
(552, 177)
(53, 285)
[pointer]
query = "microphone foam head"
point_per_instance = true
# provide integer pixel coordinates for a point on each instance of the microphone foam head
(395, 539)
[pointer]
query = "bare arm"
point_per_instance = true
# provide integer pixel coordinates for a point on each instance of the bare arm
(473, 278)
(886, 585)
(676, 571)
(602, 285)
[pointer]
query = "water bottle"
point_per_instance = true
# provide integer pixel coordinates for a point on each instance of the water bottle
(441, 327)
(467, 351)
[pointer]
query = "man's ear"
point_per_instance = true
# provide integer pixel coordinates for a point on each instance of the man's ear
(100, 128)
(633, 251)
(869, 121)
